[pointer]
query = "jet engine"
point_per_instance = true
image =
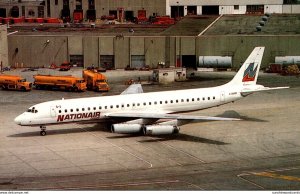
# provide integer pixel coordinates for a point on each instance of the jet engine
(160, 129)
(126, 128)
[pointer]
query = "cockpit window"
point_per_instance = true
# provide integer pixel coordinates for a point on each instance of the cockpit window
(100, 80)
(32, 110)
(22, 80)
(80, 81)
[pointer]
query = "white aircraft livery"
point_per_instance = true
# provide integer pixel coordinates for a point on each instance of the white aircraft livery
(153, 113)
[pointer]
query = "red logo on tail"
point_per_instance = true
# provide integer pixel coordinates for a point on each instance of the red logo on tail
(250, 73)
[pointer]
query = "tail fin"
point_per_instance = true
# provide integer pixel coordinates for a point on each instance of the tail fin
(247, 75)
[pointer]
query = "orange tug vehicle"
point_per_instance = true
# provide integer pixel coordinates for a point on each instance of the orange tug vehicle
(68, 83)
(14, 82)
(95, 81)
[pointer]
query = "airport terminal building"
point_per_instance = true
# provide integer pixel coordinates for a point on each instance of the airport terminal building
(211, 33)
(92, 9)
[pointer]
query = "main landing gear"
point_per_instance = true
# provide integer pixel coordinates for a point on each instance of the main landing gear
(43, 130)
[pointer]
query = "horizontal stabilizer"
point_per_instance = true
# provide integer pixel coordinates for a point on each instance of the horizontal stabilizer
(246, 91)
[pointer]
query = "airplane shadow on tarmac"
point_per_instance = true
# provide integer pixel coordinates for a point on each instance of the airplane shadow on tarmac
(36, 131)
(234, 114)
(104, 127)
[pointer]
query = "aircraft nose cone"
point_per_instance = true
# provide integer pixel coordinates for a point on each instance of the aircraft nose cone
(18, 120)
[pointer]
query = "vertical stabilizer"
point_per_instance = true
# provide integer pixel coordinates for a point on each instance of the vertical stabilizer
(247, 75)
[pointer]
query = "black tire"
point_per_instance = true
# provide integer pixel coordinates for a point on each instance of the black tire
(23, 89)
(75, 89)
(43, 133)
(38, 87)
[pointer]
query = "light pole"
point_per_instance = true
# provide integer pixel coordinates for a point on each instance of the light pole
(177, 9)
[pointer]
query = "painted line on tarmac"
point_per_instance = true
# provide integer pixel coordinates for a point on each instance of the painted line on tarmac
(251, 182)
(278, 176)
(119, 147)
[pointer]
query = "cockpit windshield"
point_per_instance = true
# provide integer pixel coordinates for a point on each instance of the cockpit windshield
(80, 81)
(100, 80)
(22, 80)
(32, 110)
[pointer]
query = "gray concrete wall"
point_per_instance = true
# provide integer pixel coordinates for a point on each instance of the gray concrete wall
(239, 47)
(91, 50)
(156, 49)
(75, 45)
(3, 46)
(122, 52)
(106, 45)
(34, 51)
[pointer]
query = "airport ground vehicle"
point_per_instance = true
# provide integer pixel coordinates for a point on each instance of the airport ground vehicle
(65, 66)
(68, 83)
(95, 80)
(14, 82)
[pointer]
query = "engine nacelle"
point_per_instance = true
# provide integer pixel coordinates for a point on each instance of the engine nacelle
(126, 128)
(160, 129)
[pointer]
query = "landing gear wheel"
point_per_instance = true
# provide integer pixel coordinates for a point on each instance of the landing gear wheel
(43, 130)
(43, 133)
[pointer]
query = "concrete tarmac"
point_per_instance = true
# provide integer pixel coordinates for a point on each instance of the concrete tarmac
(261, 152)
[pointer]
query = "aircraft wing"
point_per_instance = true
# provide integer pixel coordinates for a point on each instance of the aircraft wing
(168, 116)
(133, 89)
(246, 91)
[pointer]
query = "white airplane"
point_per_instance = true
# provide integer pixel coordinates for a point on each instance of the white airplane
(153, 113)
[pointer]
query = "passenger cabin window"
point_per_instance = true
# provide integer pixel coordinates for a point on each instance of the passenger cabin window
(71, 110)
(94, 108)
(83, 109)
(111, 106)
(208, 98)
(77, 109)
(100, 107)
(66, 110)
(59, 111)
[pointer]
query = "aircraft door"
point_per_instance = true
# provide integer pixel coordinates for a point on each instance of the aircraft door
(222, 96)
(53, 111)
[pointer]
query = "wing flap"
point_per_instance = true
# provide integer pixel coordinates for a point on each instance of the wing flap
(169, 116)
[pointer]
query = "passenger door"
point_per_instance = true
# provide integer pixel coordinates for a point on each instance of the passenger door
(53, 111)
(222, 96)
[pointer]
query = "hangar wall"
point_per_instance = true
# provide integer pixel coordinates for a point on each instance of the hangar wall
(3, 47)
(239, 47)
(48, 49)
(42, 50)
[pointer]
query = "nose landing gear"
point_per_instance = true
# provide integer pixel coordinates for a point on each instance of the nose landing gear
(43, 130)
